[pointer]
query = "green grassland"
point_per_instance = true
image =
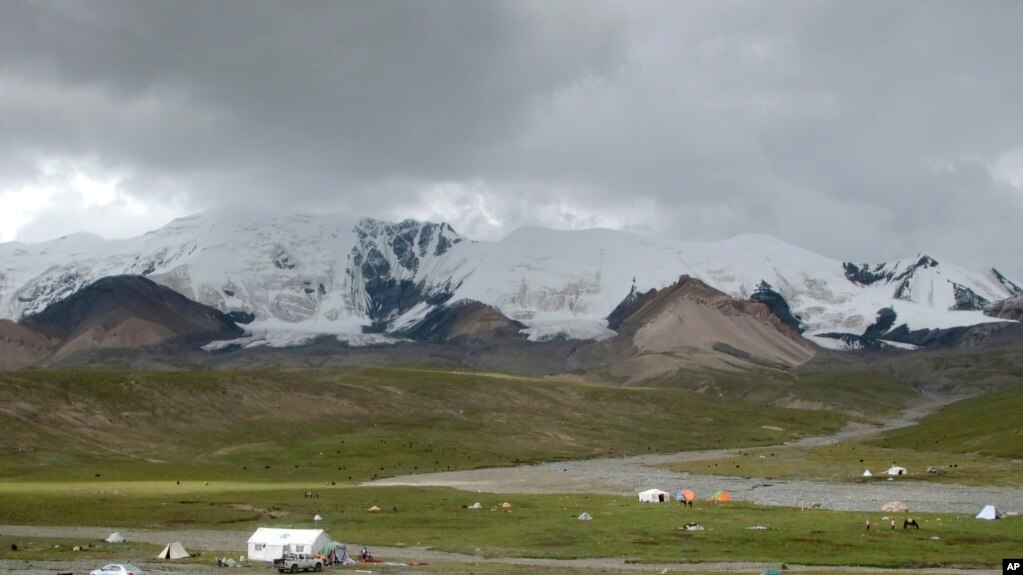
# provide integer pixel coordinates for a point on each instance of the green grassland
(56, 548)
(868, 394)
(540, 526)
(233, 450)
(989, 425)
(846, 463)
(978, 441)
(352, 425)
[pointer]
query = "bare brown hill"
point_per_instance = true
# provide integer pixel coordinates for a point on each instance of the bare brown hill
(20, 346)
(466, 321)
(127, 312)
(690, 325)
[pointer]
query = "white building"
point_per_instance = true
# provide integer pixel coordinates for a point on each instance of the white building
(267, 544)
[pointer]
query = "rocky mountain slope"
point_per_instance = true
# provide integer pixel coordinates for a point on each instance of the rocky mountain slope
(1011, 308)
(290, 277)
(20, 346)
(690, 325)
(123, 312)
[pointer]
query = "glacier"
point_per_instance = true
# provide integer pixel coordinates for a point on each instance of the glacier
(290, 277)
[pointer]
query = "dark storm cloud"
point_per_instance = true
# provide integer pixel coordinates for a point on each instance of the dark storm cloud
(860, 130)
(307, 94)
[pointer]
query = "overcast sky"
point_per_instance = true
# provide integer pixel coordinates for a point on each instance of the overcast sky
(863, 131)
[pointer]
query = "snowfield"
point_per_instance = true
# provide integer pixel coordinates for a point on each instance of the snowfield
(292, 277)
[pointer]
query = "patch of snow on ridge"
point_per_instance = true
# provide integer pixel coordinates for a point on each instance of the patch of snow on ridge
(585, 329)
(283, 339)
(900, 345)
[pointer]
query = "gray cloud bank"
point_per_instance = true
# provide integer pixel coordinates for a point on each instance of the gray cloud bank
(860, 130)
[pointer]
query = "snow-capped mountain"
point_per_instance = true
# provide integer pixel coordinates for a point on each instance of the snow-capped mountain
(332, 274)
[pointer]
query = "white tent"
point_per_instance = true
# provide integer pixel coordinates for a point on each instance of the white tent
(585, 517)
(267, 544)
(990, 512)
(173, 551)
(867, 473)
(476, 506)
(115, 538)
(654, 496)
(317, 517)
(896, 470)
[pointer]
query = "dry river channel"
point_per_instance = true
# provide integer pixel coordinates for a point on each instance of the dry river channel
(630, 475)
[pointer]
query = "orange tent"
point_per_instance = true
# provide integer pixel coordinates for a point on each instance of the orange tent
(721, 496)
(688, 495)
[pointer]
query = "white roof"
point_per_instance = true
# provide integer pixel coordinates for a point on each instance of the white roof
(653, 492)
(275, 536)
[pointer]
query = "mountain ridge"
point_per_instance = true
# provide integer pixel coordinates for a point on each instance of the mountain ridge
(336, 274)
(126, 312)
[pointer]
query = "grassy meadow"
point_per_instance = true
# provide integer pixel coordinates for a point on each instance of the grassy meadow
(535, 526)
(352, 425)
(235, 450)
(990, 425)
(846, 462)
(978, 441)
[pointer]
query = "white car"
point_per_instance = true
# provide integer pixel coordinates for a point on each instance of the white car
(118, 569)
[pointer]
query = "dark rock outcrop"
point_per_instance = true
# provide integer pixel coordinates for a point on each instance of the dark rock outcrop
(387, 258)
(775, 302)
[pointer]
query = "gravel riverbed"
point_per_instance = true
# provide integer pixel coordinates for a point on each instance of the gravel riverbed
(630, 475)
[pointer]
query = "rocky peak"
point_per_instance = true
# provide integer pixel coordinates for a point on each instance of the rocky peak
(385, 261)
(1010, 285)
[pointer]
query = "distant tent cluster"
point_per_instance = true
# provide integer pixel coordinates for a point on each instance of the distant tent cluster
(893, 471)
(683, 496)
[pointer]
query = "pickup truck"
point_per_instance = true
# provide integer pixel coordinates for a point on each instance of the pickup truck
(294, 561)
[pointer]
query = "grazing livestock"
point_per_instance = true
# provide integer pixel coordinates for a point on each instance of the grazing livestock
(910, 523)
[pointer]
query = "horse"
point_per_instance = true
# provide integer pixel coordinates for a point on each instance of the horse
(910, 523)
